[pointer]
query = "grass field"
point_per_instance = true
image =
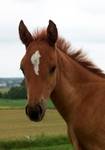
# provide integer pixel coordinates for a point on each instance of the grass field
(39, 143)
(12, 104)
(15, 124)
(17, 132)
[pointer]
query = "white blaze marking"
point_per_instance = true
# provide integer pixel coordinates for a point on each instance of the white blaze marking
(35, 60)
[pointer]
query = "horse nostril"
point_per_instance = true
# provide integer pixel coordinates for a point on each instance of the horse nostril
(35, 113)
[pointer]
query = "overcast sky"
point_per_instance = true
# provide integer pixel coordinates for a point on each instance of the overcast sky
(82, 22)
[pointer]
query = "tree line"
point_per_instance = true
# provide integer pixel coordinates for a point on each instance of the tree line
(15, 92)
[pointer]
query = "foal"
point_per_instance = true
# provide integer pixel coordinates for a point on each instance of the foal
(75, 85)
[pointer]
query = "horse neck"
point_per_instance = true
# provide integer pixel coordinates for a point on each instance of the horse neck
(71, 75)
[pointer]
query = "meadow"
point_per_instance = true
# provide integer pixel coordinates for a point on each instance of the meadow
(20, 103)
(17, 132)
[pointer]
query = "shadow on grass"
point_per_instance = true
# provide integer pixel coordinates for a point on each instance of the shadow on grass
(40, 143)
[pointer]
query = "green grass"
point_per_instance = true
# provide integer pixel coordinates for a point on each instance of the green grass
(12, 104)
(19, 103)
(39, 143)
(50, 105)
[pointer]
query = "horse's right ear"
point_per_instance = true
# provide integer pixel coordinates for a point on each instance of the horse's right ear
(24, 34)
(52, 33)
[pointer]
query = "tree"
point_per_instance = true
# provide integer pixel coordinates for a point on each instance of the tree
(16, 92)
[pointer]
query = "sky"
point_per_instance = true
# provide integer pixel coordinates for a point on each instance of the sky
(82, 22)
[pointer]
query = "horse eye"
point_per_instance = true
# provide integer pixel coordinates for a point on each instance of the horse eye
(52, 69)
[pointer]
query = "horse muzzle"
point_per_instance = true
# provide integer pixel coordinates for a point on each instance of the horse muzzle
(35, 113)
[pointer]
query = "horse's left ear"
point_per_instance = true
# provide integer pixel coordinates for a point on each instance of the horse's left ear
(52, 33)
(24, 34)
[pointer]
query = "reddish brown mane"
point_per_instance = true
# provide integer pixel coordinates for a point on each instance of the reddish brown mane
(40, 35)
(78, 56)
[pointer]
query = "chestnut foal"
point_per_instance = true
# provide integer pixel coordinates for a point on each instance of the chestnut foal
(75, 85)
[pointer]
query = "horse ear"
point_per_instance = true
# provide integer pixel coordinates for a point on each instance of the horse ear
(24, 34)
(52, 33)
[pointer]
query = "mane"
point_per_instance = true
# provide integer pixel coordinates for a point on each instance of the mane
(77, 56)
